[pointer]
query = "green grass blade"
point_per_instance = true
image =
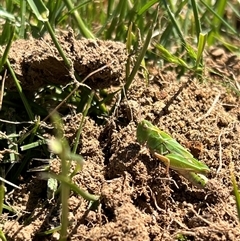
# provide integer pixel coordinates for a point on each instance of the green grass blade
(166, 35)
(128, 46)
(140, 57)
(60, 146)
(33, 145)
(12, 141)
(217, 16)
(58, 46)
(164, 53)
(196, 18)
(148, 5)
(2, 191)
(3, 60)
(201, 45)
(221, 6)
(19, 88)
(88, 105)
(81, 25)
(6, 15)
(174, 22)
(23, 6)
(39, 9)
(8, 208)
(115, 19)
(42, 13)
(87, 196)
(2, 236)
(235, 189)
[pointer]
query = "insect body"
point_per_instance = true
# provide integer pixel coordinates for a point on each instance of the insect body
(172, 154)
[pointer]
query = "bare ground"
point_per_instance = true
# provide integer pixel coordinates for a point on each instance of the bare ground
(138, 200)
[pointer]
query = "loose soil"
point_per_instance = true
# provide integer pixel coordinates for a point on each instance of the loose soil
(139, 201)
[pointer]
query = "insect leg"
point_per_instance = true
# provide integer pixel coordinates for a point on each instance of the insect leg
(163, 159)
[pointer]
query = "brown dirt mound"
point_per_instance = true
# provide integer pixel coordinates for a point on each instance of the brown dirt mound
(138, 200)
(37, 62)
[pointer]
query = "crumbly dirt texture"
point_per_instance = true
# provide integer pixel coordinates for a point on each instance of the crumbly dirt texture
(37, 63)
(139, 201)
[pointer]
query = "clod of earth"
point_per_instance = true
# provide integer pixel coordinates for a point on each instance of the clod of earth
(37, 63)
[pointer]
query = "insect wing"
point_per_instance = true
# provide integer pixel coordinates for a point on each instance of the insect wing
(173, 146)
(165, 139)
(180, 163)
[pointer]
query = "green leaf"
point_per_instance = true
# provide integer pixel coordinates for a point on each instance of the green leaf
(201, 44)
(235, 189)
(39, 10)
(6, 15)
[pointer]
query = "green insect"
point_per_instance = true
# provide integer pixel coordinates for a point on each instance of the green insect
(172, 154)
